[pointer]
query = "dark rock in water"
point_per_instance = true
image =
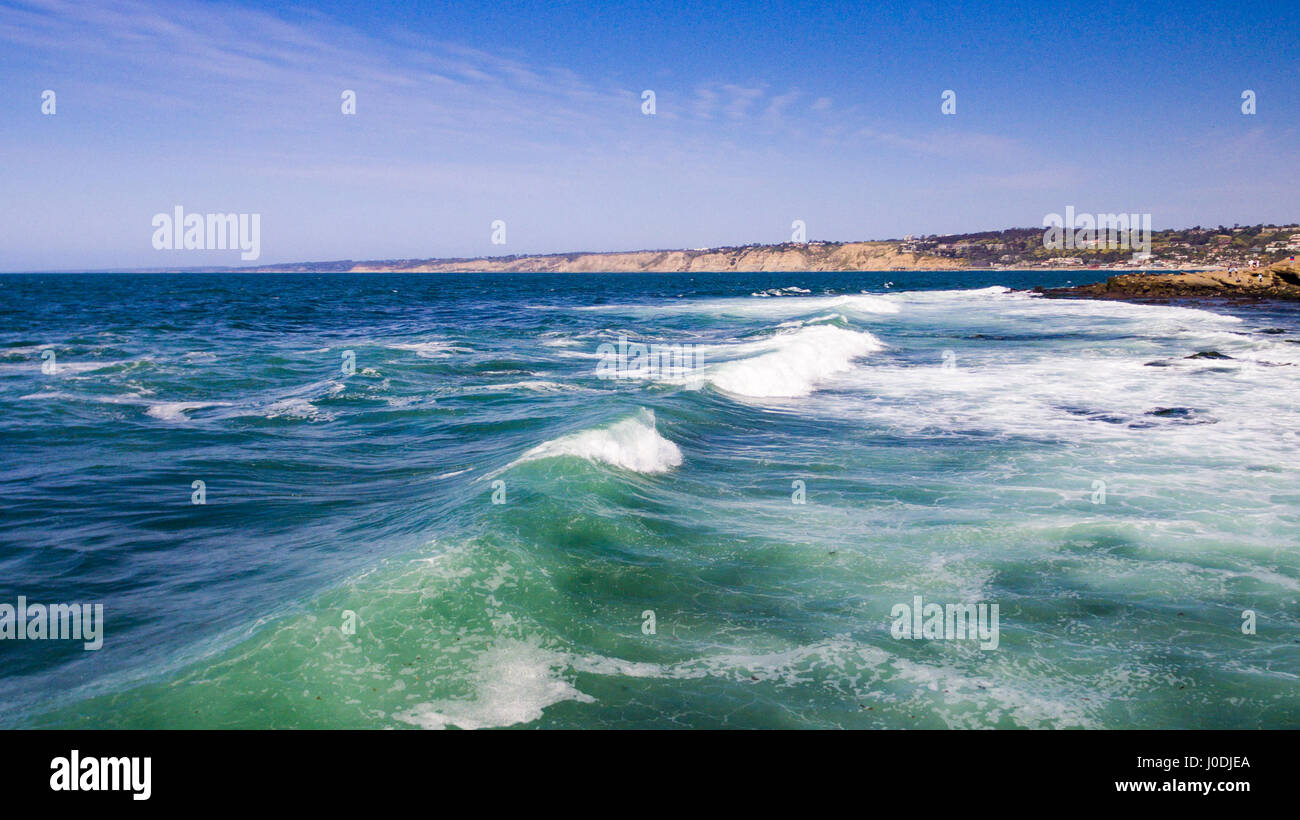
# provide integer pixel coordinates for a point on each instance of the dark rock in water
(1184, 413)
(1273, 330)
(1094, 415)
(1204, 354)
(1177, 415)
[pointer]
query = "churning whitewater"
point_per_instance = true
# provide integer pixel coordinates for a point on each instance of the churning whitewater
(407, 501)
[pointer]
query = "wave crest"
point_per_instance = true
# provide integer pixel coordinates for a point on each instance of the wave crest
(631, 444)
(793, 364)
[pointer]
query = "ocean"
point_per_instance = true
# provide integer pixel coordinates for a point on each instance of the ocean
(427, 501)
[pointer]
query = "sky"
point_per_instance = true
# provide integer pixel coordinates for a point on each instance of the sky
(532, 114)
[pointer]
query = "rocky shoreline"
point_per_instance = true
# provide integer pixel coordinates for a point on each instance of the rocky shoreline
(1280, 281)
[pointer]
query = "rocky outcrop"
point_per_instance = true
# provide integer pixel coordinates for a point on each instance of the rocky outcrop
(1278, 281)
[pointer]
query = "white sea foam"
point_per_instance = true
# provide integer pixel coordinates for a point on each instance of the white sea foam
(759, 308)
(136, 398)
(1083, 371)
(815, 320)
(434, 349)
(514, 681)
(45, 394)
(535, 385)
(176, 410)
(962, 295)
(631, 444)
(63, 367)
(1021, 305)
(789, 364)
(403, 401)
(862, 670)
(553, 339)
(578, 354)
(296, 403)
(295, 409)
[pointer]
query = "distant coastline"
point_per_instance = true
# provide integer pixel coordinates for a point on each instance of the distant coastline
(1187, 250)
(1191, 249)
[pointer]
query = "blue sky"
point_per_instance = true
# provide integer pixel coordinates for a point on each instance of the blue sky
(531, 113)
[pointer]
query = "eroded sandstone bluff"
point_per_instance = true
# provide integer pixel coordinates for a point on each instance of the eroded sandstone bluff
(813, 256)
(1277, 281)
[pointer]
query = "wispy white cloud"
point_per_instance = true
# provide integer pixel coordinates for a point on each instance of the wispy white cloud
(235, 103)
(185, 50)
(778, 104)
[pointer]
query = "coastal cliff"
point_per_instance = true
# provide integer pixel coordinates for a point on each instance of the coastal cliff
(813, 256)
(1008, 249)
(1278, 281)
(1013, 248)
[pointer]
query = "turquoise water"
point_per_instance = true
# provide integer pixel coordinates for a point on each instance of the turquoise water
(950, 438)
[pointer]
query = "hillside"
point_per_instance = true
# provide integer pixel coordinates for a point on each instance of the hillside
(812, 256)
(1013, 248)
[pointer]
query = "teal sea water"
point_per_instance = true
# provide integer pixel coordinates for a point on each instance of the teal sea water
(1121, 503)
